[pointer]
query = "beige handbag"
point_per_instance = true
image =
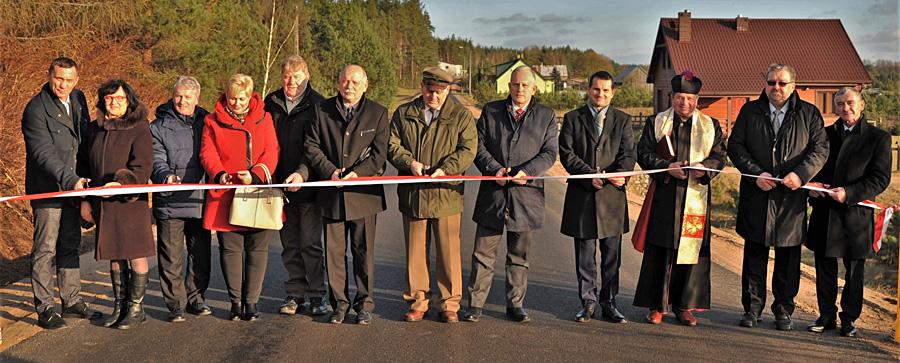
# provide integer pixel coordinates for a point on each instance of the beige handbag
(258, 207)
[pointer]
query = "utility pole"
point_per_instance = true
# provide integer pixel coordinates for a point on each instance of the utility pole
(470, 69)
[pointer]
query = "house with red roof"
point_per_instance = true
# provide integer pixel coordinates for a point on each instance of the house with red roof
(731, 56)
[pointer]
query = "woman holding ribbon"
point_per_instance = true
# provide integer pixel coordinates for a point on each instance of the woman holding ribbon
(238, 146)
(118, 150)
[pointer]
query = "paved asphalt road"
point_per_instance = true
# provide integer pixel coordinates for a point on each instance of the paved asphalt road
(551, 301)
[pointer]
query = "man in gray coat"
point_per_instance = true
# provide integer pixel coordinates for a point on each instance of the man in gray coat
(517, 137)
(776, 136)
(52, 125)
(179, 215)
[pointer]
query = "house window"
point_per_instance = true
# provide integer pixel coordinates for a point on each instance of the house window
(825, 102)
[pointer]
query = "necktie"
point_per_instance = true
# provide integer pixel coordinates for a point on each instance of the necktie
(349, 113)
(519, 113)
(776, 124)
(601, 120)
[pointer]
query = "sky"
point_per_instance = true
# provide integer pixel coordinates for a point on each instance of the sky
(625, 30)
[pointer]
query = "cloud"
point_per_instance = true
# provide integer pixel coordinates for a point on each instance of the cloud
(519, 29)
(885, 7)
(562, 19)
(823, 14)
(886, 37)
(514, 18)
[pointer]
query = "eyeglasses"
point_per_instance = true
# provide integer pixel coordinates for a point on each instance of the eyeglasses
(114, 98)
(780, 83)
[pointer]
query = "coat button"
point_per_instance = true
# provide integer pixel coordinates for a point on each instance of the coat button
(346, 156)
(347, 133)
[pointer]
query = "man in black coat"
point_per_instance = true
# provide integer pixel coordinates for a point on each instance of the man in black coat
(597, 138)
(858, 169)
(349, 139)
(52, 125)
(675, 269)
(517, 137)
(776, 136)
(293, 108)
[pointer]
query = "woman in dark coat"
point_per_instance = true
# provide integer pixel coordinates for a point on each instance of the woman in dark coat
(118, 150)
(238, 140)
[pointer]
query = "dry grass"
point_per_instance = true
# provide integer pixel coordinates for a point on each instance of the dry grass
(23, 70)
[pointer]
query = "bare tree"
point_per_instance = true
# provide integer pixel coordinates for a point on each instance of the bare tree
(270, 58)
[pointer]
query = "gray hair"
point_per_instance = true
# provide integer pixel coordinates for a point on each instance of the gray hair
(850, 90)
(187, 82)
(775, 67)
(522, 69)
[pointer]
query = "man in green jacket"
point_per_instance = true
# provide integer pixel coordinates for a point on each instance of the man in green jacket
(432, 137)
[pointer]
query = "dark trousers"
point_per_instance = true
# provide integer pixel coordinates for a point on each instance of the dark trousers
(785, 278)
(663, 283)
(243, 257)
(586, 269)
(483, 257)
(57, 238)
(360, 235)
(172, 236)
(303, 256)
(826, 287)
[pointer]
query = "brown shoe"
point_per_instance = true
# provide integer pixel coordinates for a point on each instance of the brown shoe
(449, 317)
(414, 315)
(655, 317)
(686, 318)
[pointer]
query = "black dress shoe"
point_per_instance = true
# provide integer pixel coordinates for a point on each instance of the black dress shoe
(176, 316)
(783, 322)
(81, 310)
(848, 329)
(822, 324)
(198, 308)
(472, 315)
(363, 318)
(612, 314)
(337, 317)
(750, 320)
(517, 315)
(236, 312)
(251, 313)
(584, 315)
(50, 319)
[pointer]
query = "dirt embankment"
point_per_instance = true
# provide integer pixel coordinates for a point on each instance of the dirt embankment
(23, 70)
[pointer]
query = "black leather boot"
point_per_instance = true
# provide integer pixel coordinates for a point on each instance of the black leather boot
(251, 312)
(135, 313)
(120, 293)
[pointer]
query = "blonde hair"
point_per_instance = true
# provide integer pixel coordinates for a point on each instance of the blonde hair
(237, 83)
(295, 63)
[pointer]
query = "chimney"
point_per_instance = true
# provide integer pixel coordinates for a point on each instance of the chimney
(684, 26)
(742, 23)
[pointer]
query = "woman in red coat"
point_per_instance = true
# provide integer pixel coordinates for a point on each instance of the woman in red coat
(118, 150)
(237, 138)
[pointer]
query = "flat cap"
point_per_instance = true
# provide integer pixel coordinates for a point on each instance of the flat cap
(435, 75)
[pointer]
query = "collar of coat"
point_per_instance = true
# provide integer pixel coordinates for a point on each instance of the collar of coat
(416, 108)
(791, 102)
(128, 122)
(279, 98)
(255, 112)
(168, 117)
(357, 108)
(510, 106)
(857, 129)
